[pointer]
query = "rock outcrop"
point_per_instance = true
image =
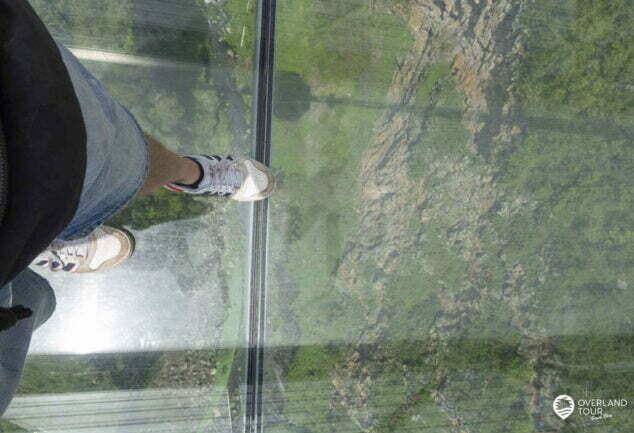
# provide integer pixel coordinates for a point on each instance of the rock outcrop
(485, 43)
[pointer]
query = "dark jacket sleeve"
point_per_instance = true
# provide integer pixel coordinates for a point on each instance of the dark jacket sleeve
(45, 138)
(4, 175)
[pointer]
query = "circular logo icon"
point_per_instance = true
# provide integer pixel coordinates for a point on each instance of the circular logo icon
(563, 406)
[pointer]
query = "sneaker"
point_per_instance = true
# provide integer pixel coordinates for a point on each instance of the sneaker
(104, 248)
(241, 179)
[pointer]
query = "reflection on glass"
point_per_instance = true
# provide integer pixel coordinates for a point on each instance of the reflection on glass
(451, 242)
(155, 345)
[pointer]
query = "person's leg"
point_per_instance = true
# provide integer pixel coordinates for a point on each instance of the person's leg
(34, 295)
(167, 167)
(6, 296)
(242, 179)
(106, 247)
(124, 163)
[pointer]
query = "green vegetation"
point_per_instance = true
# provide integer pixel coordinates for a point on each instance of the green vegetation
(575, 183)
(45, 374)
(159, 208)
(125, 26)
(583, 221)
(8, 427)
(580, 64)
(82, 23)
(580, 57)
(53, 375)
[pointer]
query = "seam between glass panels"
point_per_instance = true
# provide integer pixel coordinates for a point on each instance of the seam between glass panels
(262, 148)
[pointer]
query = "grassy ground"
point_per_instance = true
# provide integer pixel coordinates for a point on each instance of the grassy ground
(320, 153)
(8, 427)
(581, 222)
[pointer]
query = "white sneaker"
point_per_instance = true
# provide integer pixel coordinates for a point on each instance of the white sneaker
(104, 248)
(241, 179)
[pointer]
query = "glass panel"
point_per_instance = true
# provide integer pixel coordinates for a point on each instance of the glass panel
(156, 344)
(451, 242)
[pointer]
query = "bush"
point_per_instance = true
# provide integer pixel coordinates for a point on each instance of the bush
(158, 208)
(580, 55)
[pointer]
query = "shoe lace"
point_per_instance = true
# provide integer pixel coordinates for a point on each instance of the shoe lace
(66, 255)
(225, 175)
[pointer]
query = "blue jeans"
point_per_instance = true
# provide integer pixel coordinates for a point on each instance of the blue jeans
(117, 153)
(35, 293)
(6, 296)
(117, 165)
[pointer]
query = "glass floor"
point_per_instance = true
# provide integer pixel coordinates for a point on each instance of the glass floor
(450, 247)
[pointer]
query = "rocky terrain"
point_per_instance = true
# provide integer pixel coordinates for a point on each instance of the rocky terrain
(486, 45)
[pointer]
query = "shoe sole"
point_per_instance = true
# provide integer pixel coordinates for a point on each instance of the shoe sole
(132, 240)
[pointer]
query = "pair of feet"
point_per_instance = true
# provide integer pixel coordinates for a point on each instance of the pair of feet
(240, 179)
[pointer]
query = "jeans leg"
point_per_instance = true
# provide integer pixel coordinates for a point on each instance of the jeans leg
(34, 292)
(6, 296)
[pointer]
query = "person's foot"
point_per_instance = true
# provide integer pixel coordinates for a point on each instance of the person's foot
(104, 248)
(241, 179)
